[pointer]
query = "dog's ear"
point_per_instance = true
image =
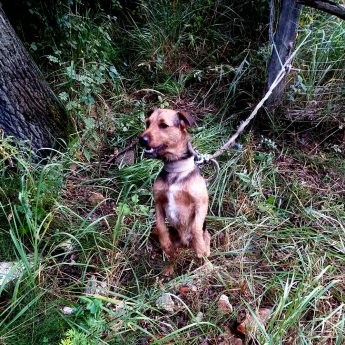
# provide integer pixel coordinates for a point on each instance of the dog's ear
(185, 119)
(150, 112)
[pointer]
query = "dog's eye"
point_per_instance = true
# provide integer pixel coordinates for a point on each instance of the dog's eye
(163, 125)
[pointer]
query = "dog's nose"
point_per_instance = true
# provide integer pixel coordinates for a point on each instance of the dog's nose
(144, 141)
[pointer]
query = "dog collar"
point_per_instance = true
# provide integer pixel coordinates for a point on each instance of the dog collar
(180, 166)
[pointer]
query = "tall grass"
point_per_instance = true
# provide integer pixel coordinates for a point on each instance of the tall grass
(318, 84)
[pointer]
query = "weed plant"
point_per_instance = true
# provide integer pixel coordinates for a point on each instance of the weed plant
(316, 93)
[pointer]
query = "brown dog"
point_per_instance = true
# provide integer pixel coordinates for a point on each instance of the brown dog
(180, 191)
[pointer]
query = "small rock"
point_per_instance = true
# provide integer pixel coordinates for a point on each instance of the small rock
(126, 158)
(199, 316)
(67, 310)
(224, 305)
(10, 271)
(165, 302)
(5, 269)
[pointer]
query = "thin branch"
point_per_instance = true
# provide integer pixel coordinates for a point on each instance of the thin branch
(272, 20)
(325, 6)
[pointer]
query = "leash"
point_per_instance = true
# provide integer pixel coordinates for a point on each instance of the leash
(200, 159)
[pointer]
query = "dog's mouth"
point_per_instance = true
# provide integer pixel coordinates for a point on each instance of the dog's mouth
(153, 151)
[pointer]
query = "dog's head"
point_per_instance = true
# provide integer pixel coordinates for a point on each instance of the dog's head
(166, 134)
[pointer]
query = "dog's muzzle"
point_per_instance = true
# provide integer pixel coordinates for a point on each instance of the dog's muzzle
(148, 150)
(144, 141)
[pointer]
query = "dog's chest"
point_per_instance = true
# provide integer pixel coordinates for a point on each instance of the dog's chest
(174, 195)
(173, 199)
(171, 207)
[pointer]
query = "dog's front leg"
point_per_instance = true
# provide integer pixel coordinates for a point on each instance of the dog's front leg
(165, 241)
(201, 239)
(163, 232)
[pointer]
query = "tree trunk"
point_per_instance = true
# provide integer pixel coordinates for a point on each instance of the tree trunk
(29, 110)
(284, 41)
(285, 37)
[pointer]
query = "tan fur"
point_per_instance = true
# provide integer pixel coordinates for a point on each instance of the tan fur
(180, 197)
(175, 137)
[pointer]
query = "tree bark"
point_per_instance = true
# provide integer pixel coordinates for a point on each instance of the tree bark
(29, 110)
(283, 43)
(326, 6)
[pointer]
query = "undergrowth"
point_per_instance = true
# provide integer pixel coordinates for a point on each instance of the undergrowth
(316, 91)
(78, 225)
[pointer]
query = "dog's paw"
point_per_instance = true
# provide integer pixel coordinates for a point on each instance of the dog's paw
(168, 270)
(168, 249)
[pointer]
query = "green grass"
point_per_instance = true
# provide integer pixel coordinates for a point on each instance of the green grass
(81, 227)
(274, 244)
(316, 93)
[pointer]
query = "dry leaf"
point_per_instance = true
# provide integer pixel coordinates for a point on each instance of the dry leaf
(183, 290)
(74, 169)
(248, 323)
(224, 304)
(96, 198)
